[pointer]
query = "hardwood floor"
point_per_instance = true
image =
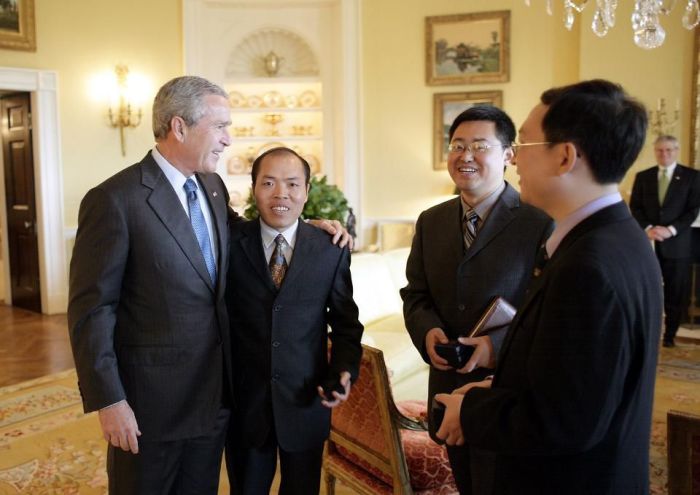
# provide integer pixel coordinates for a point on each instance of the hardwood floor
(32, 345)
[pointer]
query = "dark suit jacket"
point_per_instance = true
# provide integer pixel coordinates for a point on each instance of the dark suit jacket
(145, 322)
(280, 338)
(450, 289)
(570, 407)
(679, 209)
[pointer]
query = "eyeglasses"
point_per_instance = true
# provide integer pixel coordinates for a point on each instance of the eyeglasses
(475, 148)
(517, 146)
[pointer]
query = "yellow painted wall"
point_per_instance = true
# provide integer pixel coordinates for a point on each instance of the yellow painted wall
(397, 103)
(81, 38)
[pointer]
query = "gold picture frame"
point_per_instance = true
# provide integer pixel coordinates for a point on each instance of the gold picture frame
(17, 26)
(467, 48)
(446, 107)
(695, 106)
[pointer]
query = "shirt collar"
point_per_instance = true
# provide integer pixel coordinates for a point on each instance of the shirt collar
(268, 234)
(668, 170)
(565, 226)
(483, 207)
(173, 175)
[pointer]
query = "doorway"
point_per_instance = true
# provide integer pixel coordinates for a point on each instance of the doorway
(18, 169)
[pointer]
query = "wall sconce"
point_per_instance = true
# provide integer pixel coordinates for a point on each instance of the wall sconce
(659, 120)
(123, 116)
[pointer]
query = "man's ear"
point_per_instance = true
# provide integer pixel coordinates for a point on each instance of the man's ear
(178, 128)
(569, 157)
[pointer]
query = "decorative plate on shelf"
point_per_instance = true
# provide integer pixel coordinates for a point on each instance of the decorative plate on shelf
(254, 101)
(272, 99)
(237, 165)
(291, 101)
(314, 164)
(308, 99)
(235, 198)
(236, 99)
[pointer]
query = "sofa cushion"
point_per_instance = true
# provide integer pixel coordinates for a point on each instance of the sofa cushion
(390, 335)
(396, 261)
(373, 288)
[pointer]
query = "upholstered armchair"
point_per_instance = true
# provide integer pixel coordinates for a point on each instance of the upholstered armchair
(377, 447)
(683, 453)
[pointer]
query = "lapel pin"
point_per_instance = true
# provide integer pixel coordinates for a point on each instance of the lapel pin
(214, 194)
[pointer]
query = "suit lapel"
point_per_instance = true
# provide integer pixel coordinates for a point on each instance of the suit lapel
(304, 249)
(251, 244)
(168, 208)
(497, 220)
(613, 213)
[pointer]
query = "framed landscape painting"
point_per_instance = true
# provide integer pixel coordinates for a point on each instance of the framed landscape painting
(17, 30)
(446, 106)
(467, 48)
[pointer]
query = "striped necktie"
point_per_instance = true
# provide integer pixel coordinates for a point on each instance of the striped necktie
(471, 219)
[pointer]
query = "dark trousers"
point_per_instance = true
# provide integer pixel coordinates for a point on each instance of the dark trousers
(181, 467)
(473, 470)
(251, 470)
(676, 276)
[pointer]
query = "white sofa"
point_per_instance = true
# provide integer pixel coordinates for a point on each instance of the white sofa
(376, 279)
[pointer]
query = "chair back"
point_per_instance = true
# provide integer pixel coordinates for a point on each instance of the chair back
(363, 430)
(683, 453)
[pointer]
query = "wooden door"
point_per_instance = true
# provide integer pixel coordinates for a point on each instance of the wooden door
(18, 162)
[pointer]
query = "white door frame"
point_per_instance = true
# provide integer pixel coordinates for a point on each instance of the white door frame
(48, 184)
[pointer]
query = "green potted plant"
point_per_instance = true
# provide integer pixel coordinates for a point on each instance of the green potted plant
(325, 201)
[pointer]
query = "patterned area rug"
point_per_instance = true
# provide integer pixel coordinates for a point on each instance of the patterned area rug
(48, 446)
(677, 387)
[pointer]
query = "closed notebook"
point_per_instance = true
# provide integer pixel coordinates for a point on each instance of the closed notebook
(499, 314)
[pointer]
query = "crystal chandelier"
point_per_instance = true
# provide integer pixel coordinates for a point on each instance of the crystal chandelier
(648, 32)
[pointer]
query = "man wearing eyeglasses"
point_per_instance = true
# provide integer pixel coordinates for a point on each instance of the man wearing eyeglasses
(569, 408)
(466, 251)
(665, 201)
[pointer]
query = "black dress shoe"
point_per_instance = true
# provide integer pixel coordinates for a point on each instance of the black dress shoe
(669, 343)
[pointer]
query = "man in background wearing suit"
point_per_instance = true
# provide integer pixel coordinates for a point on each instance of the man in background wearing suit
(454, 272)
(569, 408)
(286, 285)
(665, 201)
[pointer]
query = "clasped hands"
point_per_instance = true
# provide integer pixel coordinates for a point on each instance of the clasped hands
(659, 233)
(451, 429)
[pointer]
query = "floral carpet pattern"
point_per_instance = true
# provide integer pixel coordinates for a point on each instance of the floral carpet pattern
(48, 446)
(678, 388)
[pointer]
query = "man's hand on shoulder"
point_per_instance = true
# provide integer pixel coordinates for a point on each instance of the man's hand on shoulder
(341, 237)
(119, 426)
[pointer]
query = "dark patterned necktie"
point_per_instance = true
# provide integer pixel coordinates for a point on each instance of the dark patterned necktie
(278, 264)
(470, 223)
(540, 261)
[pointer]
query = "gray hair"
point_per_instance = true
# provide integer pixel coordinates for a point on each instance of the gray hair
(666, 137)
(181, 97)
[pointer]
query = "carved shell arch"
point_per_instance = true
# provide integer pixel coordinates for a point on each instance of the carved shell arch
(295, 56)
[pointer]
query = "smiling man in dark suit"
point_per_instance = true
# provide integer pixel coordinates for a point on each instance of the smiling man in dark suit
(146, 314)
(569, 408)
(287, 284)
(665, 201)
(453, 274)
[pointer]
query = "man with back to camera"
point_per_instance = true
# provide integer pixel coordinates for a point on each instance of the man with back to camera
(569, 408)
(286, 285)
(665, 201)
(146, 312)
(453, 273)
